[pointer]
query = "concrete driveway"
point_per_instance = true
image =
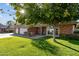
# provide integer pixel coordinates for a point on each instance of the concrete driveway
(4, 35)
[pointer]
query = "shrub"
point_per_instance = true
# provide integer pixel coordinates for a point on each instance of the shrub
(77, 32)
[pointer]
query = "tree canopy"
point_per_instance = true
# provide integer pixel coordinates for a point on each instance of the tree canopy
(52, 13)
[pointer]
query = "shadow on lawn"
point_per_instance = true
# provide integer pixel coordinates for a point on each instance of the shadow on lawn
(44, 45)
(71, 40)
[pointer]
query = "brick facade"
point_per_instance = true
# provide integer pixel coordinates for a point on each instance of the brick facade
(33, 30)
(42, 30)
(66, 29)
(62, 29)
(36, 30)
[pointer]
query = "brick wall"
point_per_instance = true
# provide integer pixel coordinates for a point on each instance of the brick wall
(66, 29)
(36, 30)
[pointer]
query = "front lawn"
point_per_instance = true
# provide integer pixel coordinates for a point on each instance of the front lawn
(19, 46)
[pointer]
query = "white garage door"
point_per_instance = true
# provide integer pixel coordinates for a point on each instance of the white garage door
(22, 30)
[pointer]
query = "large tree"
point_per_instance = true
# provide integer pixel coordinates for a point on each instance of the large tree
(51, 14)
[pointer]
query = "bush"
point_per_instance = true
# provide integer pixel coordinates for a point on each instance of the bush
(77, 32)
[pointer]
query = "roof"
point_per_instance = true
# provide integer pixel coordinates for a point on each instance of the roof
(68, 23)
(40, 24)
(12, 26)
(31, 25)
(2, 26)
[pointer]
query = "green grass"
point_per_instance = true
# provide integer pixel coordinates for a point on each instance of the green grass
(45, 46)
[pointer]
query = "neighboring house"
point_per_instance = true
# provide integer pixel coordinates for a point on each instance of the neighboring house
(5, 29)
(11, 28)
(2, 28)
(43, 29)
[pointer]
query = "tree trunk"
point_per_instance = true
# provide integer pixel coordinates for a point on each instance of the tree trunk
(54, 30)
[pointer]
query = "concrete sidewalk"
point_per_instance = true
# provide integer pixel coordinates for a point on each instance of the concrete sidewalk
(4, 35)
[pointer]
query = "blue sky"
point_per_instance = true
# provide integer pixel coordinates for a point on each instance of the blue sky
(4, 17)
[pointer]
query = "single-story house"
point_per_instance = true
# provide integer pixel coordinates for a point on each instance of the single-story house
(43, 29)
(2, 28)
(5, 28)
(11, 28)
